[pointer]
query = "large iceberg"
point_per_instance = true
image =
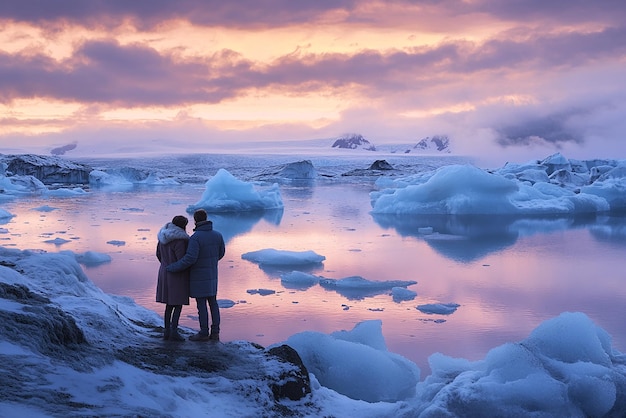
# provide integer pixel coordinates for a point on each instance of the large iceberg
(555, 186)
(225, 193)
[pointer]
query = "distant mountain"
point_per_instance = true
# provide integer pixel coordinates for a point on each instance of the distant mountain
(437, 144)
(353, 141)
(440, 143)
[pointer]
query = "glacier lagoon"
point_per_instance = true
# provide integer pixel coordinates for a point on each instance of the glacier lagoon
(503, 276)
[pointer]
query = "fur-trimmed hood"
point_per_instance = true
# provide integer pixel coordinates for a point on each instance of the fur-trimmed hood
(170, 232)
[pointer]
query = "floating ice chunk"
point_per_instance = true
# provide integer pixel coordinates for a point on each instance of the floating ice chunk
(5, 215)
(64, 192)
(262, 292)
(298, 280)
(45, 208)
(225, 303)
(270, 256)
(358, 282)
(57, 241)
(438, 308)
(357, 287)
(225, 193)
(117, 243)
(401, 293)
(92, 258)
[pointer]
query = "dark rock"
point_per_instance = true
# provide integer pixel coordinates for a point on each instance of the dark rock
(226, 359)
(380, 165)
(376, 169)
(18, 292)
(40, 325)
(178, 358)
(294, 385)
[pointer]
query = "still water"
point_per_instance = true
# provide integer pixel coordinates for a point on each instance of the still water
(507, 275)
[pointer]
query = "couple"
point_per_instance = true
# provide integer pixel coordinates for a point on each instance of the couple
(189, 268)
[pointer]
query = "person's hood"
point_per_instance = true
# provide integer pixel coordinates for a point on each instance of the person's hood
(170, 232)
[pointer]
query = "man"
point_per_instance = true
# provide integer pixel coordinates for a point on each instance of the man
(205, 249)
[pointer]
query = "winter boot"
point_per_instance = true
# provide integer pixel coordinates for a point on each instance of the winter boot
(166, 329)
(167, 318)
(175, 336)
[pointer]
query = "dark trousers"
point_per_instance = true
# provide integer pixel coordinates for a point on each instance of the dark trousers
(203, 315)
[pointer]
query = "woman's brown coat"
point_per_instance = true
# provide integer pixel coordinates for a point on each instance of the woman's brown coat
(172, 288)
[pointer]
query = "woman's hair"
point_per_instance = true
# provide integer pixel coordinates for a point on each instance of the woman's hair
(180, 221)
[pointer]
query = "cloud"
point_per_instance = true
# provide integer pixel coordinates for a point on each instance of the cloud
(497, 75)
(150, 13)
(564, 11)
(125, 75)
(552, 129)
(104, 71)
(267, 13)
(63, 149)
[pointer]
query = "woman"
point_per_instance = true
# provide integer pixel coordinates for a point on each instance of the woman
(172, 288)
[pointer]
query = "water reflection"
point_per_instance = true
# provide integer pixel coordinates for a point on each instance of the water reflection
(358, 288)
(469, 238)
(278, 270)
(461, 238)
(297, 188)
(612, 231)
(232, 224)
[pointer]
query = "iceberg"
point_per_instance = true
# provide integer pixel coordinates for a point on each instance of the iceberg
(225, 193)
(273, 257)
(555, 186)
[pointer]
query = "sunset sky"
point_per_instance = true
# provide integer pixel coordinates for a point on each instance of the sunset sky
(512, 79)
